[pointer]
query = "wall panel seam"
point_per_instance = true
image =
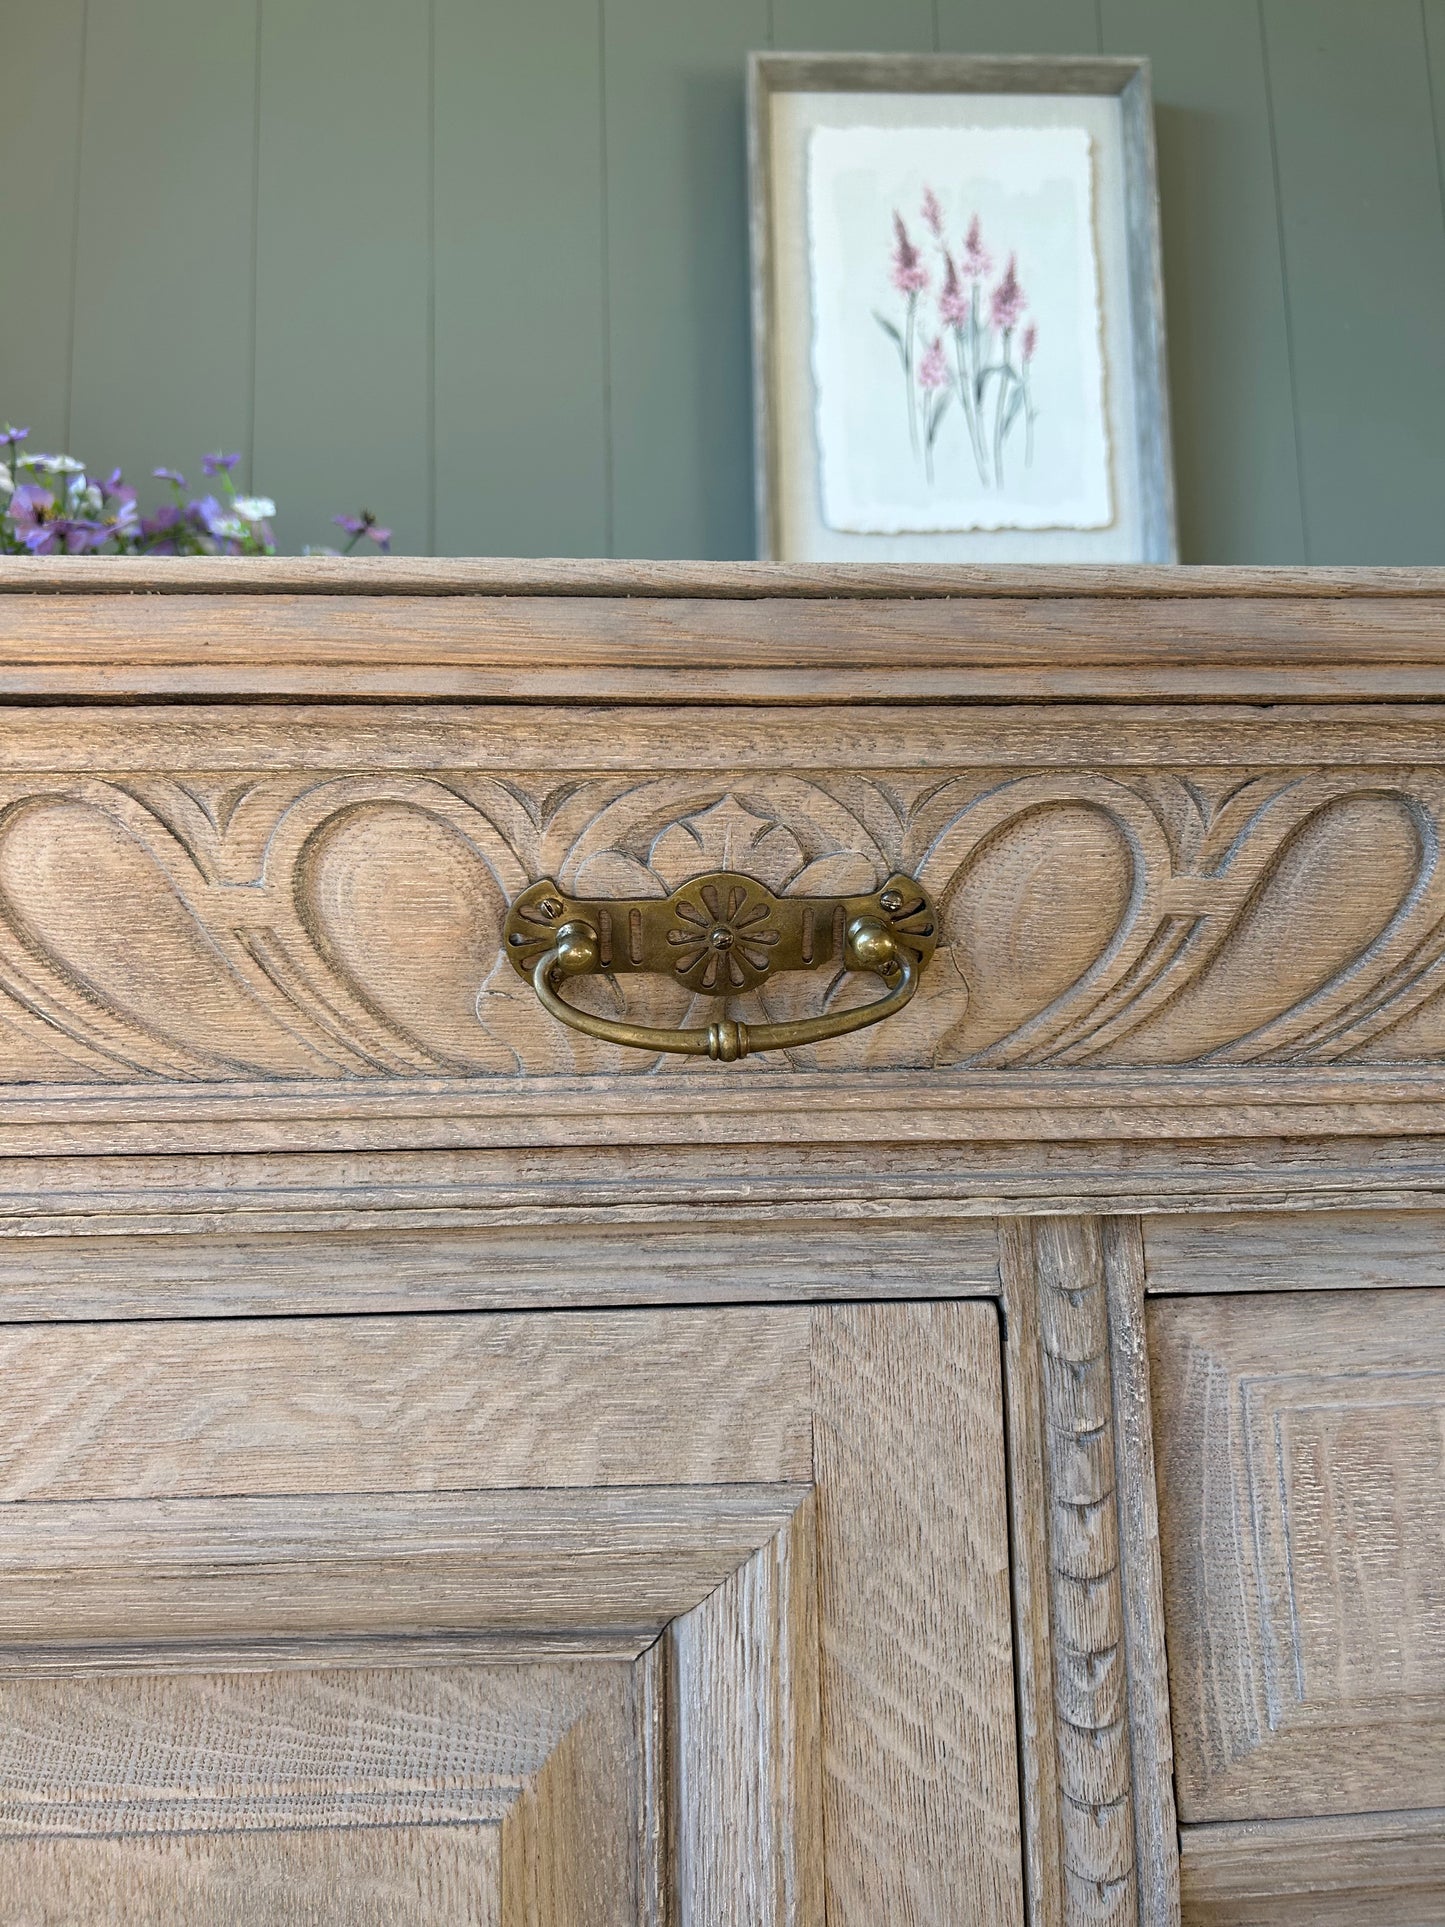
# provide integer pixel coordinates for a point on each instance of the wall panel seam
(1289, 331)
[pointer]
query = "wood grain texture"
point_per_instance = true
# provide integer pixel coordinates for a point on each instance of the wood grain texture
(1086, 1606)
(189, 1570)
(1302, 1519)
(920, 1765)
(744, 1709)
(569, 1841)
(1360, 1870)
(388, 1405)
(262, 1751)
(431, 1259)
(643, 576)
(1030, 1573)
(346, 927)
(384, 1876)
(1297, 1251)
(1151, 1746)
(415, 637)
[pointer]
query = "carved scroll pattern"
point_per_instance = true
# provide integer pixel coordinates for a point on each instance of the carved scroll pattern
(1091, 1709)
(311, 925)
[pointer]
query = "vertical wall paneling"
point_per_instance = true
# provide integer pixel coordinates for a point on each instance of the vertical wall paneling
(343, 329)
(520, 318)
(1434, 13)
(1364, 251)
(855, 26)
(39, 153)
(1018, 26)
(163, 282)
(483, 267)
(678, 274)
(1224, 279)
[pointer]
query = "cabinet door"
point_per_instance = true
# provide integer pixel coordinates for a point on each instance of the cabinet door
(1301, 1457)
(686, 1616)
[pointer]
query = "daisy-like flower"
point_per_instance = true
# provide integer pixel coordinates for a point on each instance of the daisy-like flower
(1007, 303)
(908, 273)
(218, 463)
(932, 214)
(365, 524)
(977, 261)
(953, 300)
(171, 475)
(254, 508)
(932, 368)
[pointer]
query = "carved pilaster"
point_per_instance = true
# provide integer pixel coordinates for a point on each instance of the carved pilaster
(1086, 1612)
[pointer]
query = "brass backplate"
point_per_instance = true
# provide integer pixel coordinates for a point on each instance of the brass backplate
(720, 933)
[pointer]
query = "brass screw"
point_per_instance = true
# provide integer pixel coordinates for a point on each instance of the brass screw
(550, 907)
(891, 901)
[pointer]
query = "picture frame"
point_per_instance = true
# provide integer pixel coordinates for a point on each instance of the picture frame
(904, 407)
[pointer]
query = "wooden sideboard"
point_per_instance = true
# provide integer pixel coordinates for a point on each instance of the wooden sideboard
(987, 1468)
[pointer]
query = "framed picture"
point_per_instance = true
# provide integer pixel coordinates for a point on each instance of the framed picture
(958, 323)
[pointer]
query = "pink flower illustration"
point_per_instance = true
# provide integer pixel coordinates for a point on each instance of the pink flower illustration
(1007, 302)
(932, 214)
(952, 301)
(977, 261)
(933, 369)
(908, 272)
(1030, 341)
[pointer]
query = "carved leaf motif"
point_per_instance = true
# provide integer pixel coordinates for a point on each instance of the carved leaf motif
(727, 837)
(315, 925)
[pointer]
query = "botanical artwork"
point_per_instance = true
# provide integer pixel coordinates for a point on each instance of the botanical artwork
(957, 358)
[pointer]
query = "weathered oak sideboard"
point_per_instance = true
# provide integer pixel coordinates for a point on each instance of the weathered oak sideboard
(721, 1245)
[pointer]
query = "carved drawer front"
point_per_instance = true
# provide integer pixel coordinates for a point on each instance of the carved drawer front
(551, 1618)
(1300, 1442)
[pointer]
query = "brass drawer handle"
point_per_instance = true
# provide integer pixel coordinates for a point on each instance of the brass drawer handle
(718, 935)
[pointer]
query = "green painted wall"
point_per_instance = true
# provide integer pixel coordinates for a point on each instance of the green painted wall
(482, 266)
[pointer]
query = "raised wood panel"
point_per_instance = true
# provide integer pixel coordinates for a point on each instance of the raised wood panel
(299, 927)
(421, 1254)
(386, 1405)
(384, 1877)
(1336, 1250)
(1302, 1516)
(913, 1587)
(1361, 1870)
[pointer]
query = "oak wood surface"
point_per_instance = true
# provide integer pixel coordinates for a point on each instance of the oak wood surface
(384, 1405)
(1298, 1251)
(1357, 1870)
(919, 1751)
(1302, 1519)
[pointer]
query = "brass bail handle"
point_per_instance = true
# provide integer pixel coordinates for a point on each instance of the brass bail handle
(719, 935)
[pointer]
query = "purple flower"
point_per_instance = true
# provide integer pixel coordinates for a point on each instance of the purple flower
(977, 261)
(932, 214)
(908, 273)
(13, 437)
(365, 524)
(32, 512)
(214, 464)
(1007, 303)
(932, 369)
(171, 475)
(1030, 341)
(953, 301)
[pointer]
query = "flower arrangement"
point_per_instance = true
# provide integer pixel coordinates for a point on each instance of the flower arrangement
(990, 384)
(49, 505)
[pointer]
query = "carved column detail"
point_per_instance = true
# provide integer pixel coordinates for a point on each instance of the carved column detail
(1091, 1709)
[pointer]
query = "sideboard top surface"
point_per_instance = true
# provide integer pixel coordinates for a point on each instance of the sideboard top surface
(118, 629)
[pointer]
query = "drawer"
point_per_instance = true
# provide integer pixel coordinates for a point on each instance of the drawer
(452, 1619)
(1300, 1445)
